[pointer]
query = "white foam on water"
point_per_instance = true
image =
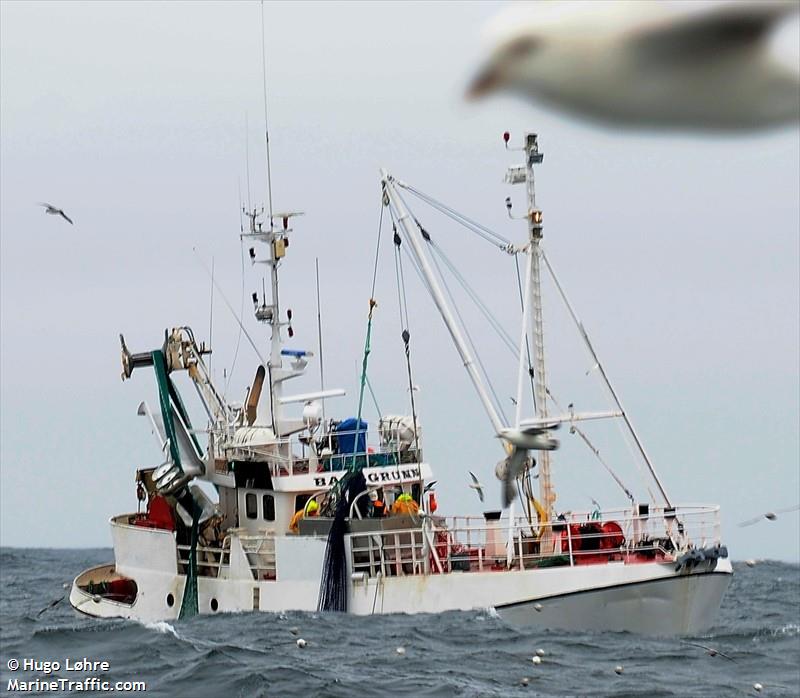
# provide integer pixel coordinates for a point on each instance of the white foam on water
(790, 629)
(162, 627)
(489, 612)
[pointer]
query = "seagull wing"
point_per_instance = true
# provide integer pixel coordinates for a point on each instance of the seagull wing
(474, 479)
(709, 649)
(65, 217)
(787, 509)
(710, 33)
(750, 522)
(515, 463)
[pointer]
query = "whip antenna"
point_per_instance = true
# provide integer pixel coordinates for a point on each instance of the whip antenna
(319, 338)
(266, 120)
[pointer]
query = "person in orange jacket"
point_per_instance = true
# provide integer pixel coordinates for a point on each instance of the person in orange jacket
(405, 504)
(310, 509)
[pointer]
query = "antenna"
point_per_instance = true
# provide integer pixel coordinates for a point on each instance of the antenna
(266, 120)
(319, 338)
(211, 317)
(247, 157)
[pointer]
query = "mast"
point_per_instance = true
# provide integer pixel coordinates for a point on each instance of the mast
(547, 494)
(276, 240)
(533, 306)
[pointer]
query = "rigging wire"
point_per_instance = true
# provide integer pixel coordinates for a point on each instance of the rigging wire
(406, 336)
(527, 341)
(476, 299)
(474, 296)
(479, 229)
(374, 399)
(577, 430)
(498, 404)
(230, 307)
(367, 348)
(241, 304)
(612, 392)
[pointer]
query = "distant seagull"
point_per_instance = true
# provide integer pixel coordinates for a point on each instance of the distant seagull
(53, 211)
(662, 65)
(770, 515)
(476, 485)
(712, 651)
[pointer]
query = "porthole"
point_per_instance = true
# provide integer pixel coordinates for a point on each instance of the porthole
(214, 605)
(170, 600)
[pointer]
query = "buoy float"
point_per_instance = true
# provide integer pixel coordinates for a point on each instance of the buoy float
(536, 659)
(757, 687)
(540, 652)
(618, 669)
(401, 651)
(537, 607)
(301, 643)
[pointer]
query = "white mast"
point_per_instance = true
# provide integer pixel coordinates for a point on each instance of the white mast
(532, 300)
(547, 494)
(276, 239)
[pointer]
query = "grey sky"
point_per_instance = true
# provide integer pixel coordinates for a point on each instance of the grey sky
(680, 253)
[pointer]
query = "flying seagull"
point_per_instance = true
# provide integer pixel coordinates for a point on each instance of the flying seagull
(711, 651)
(769, 516)
(53, 211)
(476, 485)
(533, 435)
(657, 65)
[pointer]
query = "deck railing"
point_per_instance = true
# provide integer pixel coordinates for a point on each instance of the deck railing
(465, 544)
(259, 550)
(297, 456)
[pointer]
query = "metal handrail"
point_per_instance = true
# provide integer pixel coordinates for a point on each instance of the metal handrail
(651, 536)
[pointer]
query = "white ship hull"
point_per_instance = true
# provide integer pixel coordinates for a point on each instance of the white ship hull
(640, 597)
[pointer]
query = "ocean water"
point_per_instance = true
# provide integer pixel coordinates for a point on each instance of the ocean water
(453, 654)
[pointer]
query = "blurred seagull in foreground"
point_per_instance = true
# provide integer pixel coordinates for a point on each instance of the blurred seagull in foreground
(769, 516)
(476, 485)
(672, 65)
(53, 211)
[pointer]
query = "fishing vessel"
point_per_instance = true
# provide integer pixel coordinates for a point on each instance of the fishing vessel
(301, 511)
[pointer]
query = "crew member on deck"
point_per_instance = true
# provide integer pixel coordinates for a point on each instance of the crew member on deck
(310, 509)
(377, 505)
(405, 504)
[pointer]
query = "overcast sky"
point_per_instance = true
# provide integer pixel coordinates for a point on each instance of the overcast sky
(679, 252)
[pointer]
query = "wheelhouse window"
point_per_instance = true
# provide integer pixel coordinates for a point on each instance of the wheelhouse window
(251, 506)
(269, 507)
(300, 501)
